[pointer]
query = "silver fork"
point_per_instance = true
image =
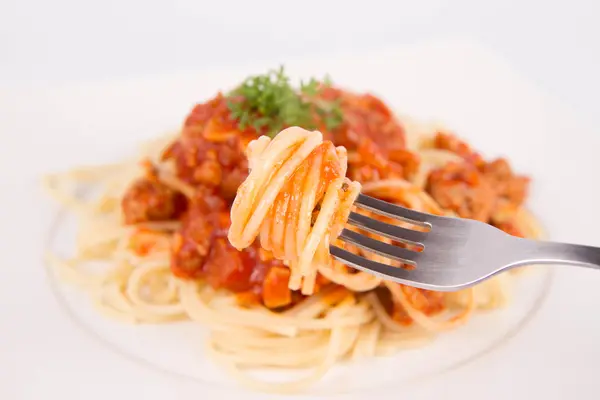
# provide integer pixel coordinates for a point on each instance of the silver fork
(455, 253)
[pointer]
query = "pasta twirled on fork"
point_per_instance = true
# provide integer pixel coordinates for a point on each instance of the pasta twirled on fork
(297, 198)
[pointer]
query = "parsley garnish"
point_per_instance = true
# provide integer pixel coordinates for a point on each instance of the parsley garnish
(268, 103)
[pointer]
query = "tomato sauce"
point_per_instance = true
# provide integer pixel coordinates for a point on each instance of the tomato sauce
(209, 155)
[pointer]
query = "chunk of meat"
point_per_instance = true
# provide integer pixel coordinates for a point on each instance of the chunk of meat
(205, 218)
(462, 189)
(222, 166)
(148, 199)
(508, 185)
(409, 161)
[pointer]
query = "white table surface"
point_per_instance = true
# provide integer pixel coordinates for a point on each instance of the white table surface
(554, 42)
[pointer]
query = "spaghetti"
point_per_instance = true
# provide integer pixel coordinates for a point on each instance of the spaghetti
(153, 242)
(290, 176)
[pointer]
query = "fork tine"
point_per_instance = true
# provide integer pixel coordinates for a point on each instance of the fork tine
(384, 249)
(393, 211)
(389, 231)
(384, 271)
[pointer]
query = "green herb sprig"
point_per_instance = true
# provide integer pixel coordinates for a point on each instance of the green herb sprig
(268, 103)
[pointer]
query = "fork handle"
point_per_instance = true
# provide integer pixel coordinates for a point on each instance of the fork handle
(541, 252)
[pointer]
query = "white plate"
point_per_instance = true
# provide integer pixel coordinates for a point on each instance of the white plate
(543, 346)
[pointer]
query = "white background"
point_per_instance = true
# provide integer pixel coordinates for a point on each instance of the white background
(555, 43)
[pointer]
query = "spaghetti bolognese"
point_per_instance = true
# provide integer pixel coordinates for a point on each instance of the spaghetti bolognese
(160, 228)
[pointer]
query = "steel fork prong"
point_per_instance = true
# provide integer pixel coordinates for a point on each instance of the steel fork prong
(397, 233)
(388, 272)
(394, 211)
(403, 255)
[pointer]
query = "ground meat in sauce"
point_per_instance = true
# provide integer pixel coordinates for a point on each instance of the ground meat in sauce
(371, 132)
(460, 187)
(221, 166)
(148, 199)
(209, 155)
(201, 250)
(217, 161)
(489, 192)
(498, 172)
(508, 185)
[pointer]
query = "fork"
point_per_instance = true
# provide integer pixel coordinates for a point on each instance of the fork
(452, 254)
